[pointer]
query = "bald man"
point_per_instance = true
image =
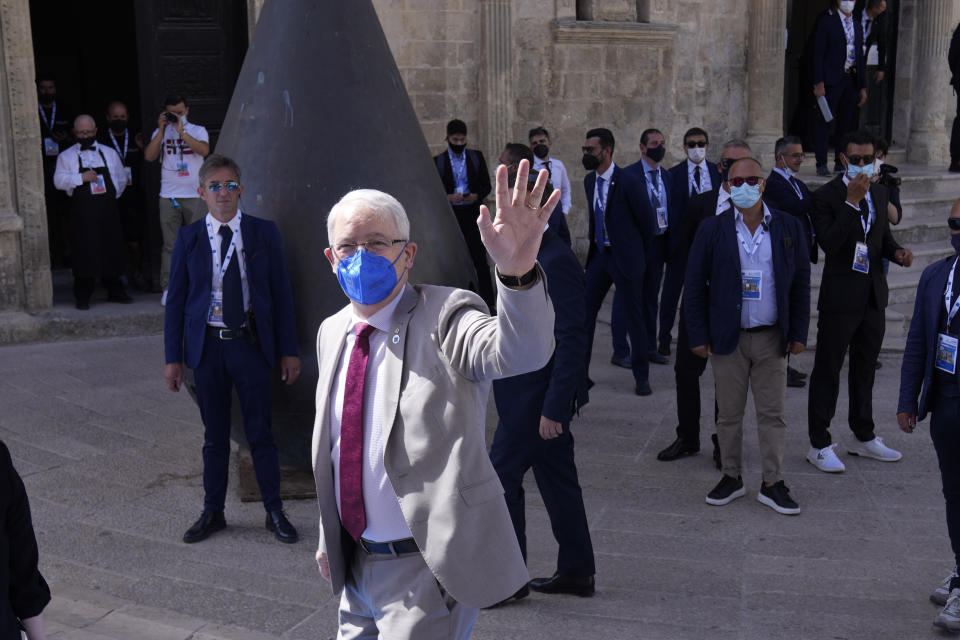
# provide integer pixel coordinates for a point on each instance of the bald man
(747, 303)
(93, 178)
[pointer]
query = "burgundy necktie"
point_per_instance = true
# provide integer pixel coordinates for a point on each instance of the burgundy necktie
(351, 436)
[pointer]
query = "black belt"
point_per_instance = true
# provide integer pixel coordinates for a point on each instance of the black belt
(762, 327)
(228, 334)
(393, 548)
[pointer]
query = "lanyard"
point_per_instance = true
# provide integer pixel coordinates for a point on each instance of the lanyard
(848, 28)
(948, 296)
(126, 139)
(866, 222)
(658, 191)
(53, 117)
(214, 246)
(756, 243)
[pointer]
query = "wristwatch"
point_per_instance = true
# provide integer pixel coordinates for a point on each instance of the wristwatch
(518, 281)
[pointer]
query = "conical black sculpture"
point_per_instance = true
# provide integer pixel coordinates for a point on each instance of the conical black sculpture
(320, 109)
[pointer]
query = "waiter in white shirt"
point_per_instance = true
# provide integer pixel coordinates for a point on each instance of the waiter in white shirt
(540, 144)
(183, 145)
(92, 175)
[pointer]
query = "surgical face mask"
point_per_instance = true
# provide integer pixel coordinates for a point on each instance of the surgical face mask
(955, 241)
(367, 278)
(790, 172)
(697, 154)
(876, 165)
(541, 151)
(590, 162)
(847, 6)
(853, 170)
(745, 196)
(656, 153)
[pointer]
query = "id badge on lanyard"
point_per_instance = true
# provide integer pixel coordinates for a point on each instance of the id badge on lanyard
(129, 173)
(752, 282)
(50, 147)
(98, 187)
(661, 217)
(183, 170)
(861, 258)
(216, 307)
(946, 359)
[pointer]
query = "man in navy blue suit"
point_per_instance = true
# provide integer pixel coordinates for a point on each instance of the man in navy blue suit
(619, 234)
(929, 384)
(839, 74)
(229, 317)
(535, 411)
(747, 304)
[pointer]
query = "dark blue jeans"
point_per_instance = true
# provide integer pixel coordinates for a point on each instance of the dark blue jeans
(945, 433)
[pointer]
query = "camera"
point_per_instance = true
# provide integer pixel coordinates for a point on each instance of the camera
(887, 178)
(171, 117)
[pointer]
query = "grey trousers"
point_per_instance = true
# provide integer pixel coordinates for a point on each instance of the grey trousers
(171, 219)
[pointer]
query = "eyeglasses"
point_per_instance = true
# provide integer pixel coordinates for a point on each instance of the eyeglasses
(215, 187)
(696, 143)
(864, 159)
(378, 247)
(750, 180)
(589, 150)
(954, 223)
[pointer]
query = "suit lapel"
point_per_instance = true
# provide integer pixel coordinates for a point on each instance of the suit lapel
(728, 227)
(393, 360)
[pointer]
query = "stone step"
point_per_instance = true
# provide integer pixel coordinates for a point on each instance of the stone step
(923, 220)
(924, 254)
(915, 180)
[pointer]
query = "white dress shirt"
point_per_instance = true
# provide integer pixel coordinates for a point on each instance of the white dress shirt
(705, 183)
(723, 201)
(762, 312)
(385, 521)
(558, 178)
(605, 189)
(67, 176)
(873, 213)
(213, 235)
(791, 181)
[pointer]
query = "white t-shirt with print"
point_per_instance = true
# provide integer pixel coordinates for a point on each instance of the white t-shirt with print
(179, 164)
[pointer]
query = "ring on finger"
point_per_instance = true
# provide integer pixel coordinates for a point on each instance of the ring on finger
(532, 206)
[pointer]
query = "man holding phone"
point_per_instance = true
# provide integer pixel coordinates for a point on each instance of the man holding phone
(181, 147)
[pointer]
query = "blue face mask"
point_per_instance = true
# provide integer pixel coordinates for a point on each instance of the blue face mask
(366, 277)
(853, 170)
(745, 196)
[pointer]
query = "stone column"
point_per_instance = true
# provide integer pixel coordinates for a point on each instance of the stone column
(496, 97)
(933, 104)
(765, 51)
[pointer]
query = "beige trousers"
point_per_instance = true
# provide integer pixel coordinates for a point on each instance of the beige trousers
(757, 362)
(171, 219)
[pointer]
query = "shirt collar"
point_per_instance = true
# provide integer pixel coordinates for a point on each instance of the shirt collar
(383, 319)
(606, 175)
(785, 175)
(234, 223)
(453, 156)
(691, 164)
(722, 198)
(766, 214)
(647, 167)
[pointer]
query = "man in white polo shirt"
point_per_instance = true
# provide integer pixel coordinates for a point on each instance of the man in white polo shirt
(181, 147)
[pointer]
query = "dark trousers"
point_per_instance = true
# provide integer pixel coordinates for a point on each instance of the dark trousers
(602, 271)
(670, 297)
(862, 333)
(618, 327)
(688, 368)
(842, 99)
(226, 365)
(944, 418)
(657, 254)
(83, 287)
(955, 132)
(515, 449)
(467, 219)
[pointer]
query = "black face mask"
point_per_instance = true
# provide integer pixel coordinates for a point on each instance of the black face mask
(86, 143)
(457, 148)
(656, 153)
(47, 98)
(118, 126)
(590, 162)
(541, 151)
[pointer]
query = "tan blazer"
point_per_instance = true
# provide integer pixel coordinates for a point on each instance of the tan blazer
(436, 384)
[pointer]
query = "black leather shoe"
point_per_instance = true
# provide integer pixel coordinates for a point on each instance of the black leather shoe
(574, 585)
(878, 365)
(716, 452)
(621, 362)
(521, 593)
(123, 298)
(209, 522)
(796, 372)
(83, 305)
(643, 389)
(664, 349)
(679, 448)
(656, 358)
(794, 380)
(281, 527)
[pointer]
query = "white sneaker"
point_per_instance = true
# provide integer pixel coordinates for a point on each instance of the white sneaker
(163, 299)
(874, 449)
(949, 618)
(825, 459)
(943, 591)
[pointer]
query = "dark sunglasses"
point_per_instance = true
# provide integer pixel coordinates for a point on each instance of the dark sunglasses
(954, 223)
(751, 180)
(215, 187)
(864, 159)
(696, 143)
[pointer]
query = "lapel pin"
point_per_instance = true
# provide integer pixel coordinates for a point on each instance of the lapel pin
(396, 336)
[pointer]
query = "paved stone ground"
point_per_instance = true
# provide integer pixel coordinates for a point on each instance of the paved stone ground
(111, 461)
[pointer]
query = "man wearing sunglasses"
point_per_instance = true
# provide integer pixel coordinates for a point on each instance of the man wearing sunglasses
(229, 317)
(747, 300)
(851, 226)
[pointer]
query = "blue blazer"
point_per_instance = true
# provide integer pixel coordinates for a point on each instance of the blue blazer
(916, 373)
(779, 194)
(559, 389)
(629, 225)
(680, 196)
(830, 50)
(188, 294)
(712, 290)
(639, 170)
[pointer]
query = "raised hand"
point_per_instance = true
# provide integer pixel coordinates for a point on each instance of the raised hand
(512, 237)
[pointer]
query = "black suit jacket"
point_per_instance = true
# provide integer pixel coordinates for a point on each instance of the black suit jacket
(878, 36)
(478, 178)
(953, 57)
(699, 208)
(839, 229)
(679, 197)
(560, 388)
(628, 228)
(830, 50)
(780, 194)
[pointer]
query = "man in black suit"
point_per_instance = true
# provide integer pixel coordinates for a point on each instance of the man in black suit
(535, 411)
(785, 192)
(850, 222)
(619, 235)
(872, 19)
(689, 367)
(953, 57)
(467, 183)
(839, 74)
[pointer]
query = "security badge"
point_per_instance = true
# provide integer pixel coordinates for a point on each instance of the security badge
(99, 186)
(946, 353)
(751, 281)
(861, 258)
(661, 217)
(129, 173)
(216, 308)
(183, 170)
(50, 147)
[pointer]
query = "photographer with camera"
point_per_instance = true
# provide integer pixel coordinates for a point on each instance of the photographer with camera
(884, 174)
(183, 145)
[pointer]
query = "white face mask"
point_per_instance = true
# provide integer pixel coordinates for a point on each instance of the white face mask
(846, 6)
(790, 172)
(697, 154)
(876, 166)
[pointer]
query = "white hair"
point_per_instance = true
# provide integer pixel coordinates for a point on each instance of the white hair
(383, 205)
